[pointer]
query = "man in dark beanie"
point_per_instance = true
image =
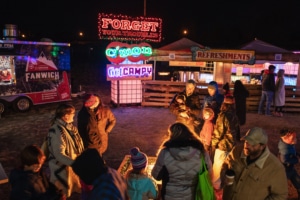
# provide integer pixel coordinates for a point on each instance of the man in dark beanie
(108, 184)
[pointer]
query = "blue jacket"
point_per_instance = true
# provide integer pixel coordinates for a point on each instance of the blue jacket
(141, 186)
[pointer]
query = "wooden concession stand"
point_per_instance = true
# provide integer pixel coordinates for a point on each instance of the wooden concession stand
(160, 92)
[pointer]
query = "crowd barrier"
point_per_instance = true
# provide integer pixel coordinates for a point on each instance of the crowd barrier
(160, 93)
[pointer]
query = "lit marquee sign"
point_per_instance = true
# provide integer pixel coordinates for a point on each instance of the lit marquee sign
(123, 27)
(129, 72)
(117, 52)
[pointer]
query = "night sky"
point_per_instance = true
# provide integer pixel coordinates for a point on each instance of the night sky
(216, 24)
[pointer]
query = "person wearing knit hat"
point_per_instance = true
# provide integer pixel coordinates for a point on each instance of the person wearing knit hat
(95, 121)
(213, 99)
(139, 183)
(139, 160)
(92, 101)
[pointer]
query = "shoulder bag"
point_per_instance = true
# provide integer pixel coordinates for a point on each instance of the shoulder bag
(204, 189)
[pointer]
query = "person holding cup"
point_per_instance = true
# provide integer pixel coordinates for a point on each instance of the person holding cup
(258, 173)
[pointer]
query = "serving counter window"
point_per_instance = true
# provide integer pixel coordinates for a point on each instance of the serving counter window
(251, 74)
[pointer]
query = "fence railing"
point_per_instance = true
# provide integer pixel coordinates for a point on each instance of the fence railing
(160, 93)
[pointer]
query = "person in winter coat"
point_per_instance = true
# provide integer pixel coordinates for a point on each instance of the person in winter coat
(279, 99)
(289, 157)
(214, 99)
(226, 135)
(95, 121)
(190, 115)
(178, 162)
(258, 173)
(240, 94)
(226, 89)
(207, 128)
(65, 144)
(140, 185)
(268, 90)
(108, 183)
(29, 182)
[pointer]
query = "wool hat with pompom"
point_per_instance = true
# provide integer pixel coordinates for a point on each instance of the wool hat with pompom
(139, 160)
(91, 101)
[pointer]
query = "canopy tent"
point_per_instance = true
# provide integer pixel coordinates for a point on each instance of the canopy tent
(183, 44)
(260, 46)
(266, 52)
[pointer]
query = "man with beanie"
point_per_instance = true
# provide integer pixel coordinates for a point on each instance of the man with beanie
(95, 122)
(191, 114)
(258, 173)
(268, 90)
(108, 183)
(140, 184)
(214, 99)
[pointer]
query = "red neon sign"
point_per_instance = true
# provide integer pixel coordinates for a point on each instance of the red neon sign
(123, 27)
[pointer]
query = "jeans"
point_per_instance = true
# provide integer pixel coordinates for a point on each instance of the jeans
(268, 97)
(219, 159)
(293, 176)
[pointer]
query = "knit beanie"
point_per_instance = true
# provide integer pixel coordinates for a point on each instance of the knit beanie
(91, 101)
(89, 165)
(139, 159)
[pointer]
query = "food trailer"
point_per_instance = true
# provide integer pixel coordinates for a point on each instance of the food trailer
(33, 73)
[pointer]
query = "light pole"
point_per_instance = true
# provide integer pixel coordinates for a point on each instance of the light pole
(145, 8)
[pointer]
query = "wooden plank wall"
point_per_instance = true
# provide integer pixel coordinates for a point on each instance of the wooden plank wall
(160, 93)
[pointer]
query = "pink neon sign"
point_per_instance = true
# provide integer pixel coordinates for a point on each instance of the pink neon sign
(129, 72)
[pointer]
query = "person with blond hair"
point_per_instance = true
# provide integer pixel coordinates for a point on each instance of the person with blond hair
(279, 99)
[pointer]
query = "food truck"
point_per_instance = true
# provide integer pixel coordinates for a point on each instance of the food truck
(33, 73)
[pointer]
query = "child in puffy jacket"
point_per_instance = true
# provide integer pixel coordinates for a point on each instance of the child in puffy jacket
(140, 185)
(288, 156)
(207, 128)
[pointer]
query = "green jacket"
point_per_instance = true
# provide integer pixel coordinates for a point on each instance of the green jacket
(226, 131)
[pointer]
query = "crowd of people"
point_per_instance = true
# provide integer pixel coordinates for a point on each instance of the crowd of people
(208, 128)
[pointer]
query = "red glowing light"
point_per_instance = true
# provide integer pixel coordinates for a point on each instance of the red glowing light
(123, 27)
